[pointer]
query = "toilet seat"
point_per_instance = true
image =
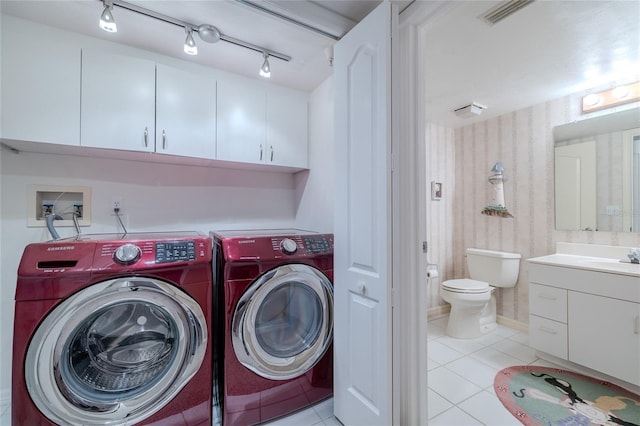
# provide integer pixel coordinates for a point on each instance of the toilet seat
(466, 285)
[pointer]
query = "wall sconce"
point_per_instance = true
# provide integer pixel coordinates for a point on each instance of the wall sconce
(613, 97)
(497, 205)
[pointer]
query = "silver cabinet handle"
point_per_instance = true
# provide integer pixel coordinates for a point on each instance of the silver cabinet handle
(146, 136)
(636, 327)
(548, 330)
(260, 152)
(164, 139)
(271, 148)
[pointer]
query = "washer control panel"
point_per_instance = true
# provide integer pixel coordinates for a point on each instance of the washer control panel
(288, 246)
(127, 254)
(175, 251)
(317, 244)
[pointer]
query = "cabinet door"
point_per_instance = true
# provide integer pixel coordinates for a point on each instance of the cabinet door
(118, 102)
(241, 121)
(185, 113)
(40, 85)
(604, 335)
(548, 336)
(287, 124)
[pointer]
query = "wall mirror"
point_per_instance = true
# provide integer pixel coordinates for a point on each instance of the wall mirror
(597, 173)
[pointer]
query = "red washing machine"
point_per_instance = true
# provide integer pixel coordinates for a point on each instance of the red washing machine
(273, 296)
(114, 330)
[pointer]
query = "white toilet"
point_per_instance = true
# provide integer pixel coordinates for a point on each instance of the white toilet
(473, 304)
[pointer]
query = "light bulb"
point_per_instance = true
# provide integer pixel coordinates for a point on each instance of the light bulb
(620, 92)
(591, 100)
(190, 47)
(265, 69)
(107, 22)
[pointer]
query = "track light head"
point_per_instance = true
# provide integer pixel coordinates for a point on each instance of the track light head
(265, 69)
(190, 47)
(107, 22)
(208, 33)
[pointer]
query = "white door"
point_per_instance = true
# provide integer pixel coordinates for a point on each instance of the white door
(241, 121)
(287, 117)
(362, 251)
(118, 101)
(185, 112)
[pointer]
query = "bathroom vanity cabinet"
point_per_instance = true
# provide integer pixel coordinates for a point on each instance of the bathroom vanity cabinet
(586, 310)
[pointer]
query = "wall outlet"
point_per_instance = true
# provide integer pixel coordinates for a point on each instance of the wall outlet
(613, 210)
(116, 203)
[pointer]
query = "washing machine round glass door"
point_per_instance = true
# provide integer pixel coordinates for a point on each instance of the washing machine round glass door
(283, 323)
(115, 352)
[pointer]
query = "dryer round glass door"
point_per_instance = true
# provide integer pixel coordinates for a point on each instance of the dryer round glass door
(115, 352)
(283, 323)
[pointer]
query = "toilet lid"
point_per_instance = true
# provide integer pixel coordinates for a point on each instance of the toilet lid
(466, 285)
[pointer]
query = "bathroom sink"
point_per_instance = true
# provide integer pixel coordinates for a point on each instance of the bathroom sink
(601, 264)
(593, 257)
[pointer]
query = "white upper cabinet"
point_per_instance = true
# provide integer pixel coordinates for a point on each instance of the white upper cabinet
(185, 113)
(118, 101)
(262, 124)
(40, 85)
(287, 124)
(62, 88)
(241, 121)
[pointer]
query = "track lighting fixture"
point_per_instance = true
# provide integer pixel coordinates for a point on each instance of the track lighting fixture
(190, 47)
(107, 22)
(206, 32)
(265, 69)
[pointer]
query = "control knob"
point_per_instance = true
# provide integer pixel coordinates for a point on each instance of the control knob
(127, 254)
(288, 246)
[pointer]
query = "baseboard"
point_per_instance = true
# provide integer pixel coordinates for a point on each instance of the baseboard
(511, 323)
(438, 311)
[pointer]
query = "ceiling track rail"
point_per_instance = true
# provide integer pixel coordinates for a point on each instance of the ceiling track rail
(184, 24)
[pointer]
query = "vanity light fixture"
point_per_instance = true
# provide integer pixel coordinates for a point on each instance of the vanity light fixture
(107, 22)
(612, 97)
(190, 47)
(206, 32)
(265, 69)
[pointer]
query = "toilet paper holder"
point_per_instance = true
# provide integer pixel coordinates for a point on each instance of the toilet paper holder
(432, 270)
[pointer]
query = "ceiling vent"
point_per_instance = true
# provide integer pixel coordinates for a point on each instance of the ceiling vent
(503, 10)
(472, 110)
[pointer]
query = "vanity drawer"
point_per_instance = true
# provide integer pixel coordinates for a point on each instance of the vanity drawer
(548, 336)
(548, 302)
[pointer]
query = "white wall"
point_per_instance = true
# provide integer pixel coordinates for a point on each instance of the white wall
(156, 197)
(315, 187)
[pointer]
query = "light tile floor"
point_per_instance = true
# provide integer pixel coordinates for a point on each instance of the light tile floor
(460, 377)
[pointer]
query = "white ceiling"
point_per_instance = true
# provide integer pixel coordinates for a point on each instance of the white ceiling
(544, 51)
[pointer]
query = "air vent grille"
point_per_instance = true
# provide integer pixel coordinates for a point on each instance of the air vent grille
(503, 10)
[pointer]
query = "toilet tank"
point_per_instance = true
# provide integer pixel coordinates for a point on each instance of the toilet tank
(498, 268)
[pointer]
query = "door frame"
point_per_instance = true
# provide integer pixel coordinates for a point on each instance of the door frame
(410, 382)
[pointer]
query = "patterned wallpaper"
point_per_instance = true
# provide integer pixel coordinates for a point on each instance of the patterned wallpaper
(462, 159)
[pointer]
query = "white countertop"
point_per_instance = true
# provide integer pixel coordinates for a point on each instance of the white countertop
(599, 264)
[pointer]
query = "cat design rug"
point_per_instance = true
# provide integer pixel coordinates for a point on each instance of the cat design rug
(552, 396)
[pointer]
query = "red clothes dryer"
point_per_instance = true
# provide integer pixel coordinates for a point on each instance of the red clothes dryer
(273, 351)
(114, 330)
